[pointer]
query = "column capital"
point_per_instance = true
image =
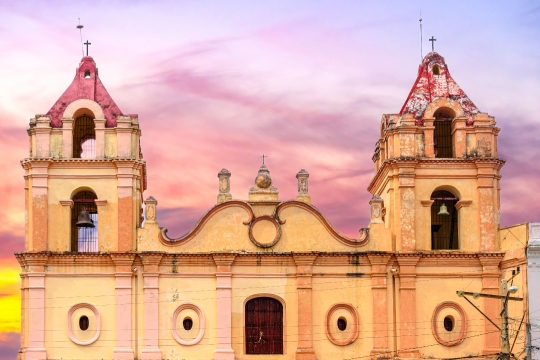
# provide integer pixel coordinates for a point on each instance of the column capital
(123, 261)
(407, 261)
(35, 262)
(151, 261)
(67, 203)
(490, 260)
(304, 259)
(224, 262)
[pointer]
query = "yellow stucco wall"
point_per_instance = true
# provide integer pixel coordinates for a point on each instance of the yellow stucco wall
(97, 290)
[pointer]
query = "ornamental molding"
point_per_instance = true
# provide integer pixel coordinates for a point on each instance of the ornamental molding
(329, 329)
(202, 323)
(275, 219)
(435, 318)
(71, 334)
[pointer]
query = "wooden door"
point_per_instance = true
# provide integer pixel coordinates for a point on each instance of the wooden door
(264, 326)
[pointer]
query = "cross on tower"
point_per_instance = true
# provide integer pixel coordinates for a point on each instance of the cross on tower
(432, 43)
(263, 156)
(87, 43)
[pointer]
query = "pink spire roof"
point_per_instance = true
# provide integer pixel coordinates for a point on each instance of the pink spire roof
(86, 85)
(429, 86)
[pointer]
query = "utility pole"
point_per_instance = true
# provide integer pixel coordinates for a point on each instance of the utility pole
(506, 351)
(505, 348)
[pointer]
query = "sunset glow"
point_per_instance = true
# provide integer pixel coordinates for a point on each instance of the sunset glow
(217, 84)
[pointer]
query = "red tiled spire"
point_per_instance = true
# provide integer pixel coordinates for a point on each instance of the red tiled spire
(86, 85)
(429, 86)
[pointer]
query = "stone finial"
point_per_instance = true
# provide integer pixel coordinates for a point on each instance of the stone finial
(151, 214)
(224, 186)
(376, 203)
(303, 194)
(263, 189)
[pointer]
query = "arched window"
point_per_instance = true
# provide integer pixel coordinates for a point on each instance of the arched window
(436, 70)
(442, 138)
(84, 138)
(444, 221)
(84, 239)
(87, 74)
(264, 326)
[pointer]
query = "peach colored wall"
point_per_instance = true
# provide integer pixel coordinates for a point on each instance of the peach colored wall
(97, 290)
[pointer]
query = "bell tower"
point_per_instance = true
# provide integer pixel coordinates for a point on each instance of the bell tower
(437, 167)
(85, 175)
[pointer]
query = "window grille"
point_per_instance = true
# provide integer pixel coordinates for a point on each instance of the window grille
(84, 138)
(84, 239)
(444, 228)
(443, 138)
(264, 326)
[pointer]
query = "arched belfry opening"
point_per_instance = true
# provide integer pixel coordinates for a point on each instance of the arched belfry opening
(84, 137)
(442, 139)
(444, 221)
(84, 238)
(264, 326)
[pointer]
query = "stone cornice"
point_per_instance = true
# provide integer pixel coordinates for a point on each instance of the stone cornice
(496, 163)
(29, 162)
(365, 258)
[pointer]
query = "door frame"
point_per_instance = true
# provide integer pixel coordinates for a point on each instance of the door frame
(273, 296)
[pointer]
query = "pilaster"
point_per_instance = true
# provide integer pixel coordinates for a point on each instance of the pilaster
(304, 264)
(151, 348)
(126, 224)
(491, 307)
(67, 137)
(224, 349)
(35, 266)
(429, 131)
(43, 137)
(486, 205)
(379, 291)
(123, 136)
(123, 274)
(406, 206)
(459, 137)
(99, 127)
(407, 295)
(40, 205)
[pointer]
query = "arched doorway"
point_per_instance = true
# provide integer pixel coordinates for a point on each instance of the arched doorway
(444, 223)
(264, 326)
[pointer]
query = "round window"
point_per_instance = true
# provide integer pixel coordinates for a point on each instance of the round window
(84, 323)
(342, 324)
(187, 323)
(448, 323)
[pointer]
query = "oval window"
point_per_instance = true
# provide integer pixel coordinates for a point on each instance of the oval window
(84, 323)
(448, 323)
(342, 324)
(187, 323)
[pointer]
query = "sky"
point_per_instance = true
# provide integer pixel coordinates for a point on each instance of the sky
(217, 84)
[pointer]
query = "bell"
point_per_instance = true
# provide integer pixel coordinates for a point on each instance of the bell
(443, 210)
(84, 219)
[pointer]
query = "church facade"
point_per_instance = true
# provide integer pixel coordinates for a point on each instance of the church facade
(264, 277)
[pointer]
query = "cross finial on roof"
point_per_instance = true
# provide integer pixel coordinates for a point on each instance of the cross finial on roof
(432, 43)
(87, 43)
(263, 156)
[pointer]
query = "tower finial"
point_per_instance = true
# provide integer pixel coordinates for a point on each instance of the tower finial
(80, 32)
(421, 52)
(432, 43)
(87, 43)
(263, 156)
